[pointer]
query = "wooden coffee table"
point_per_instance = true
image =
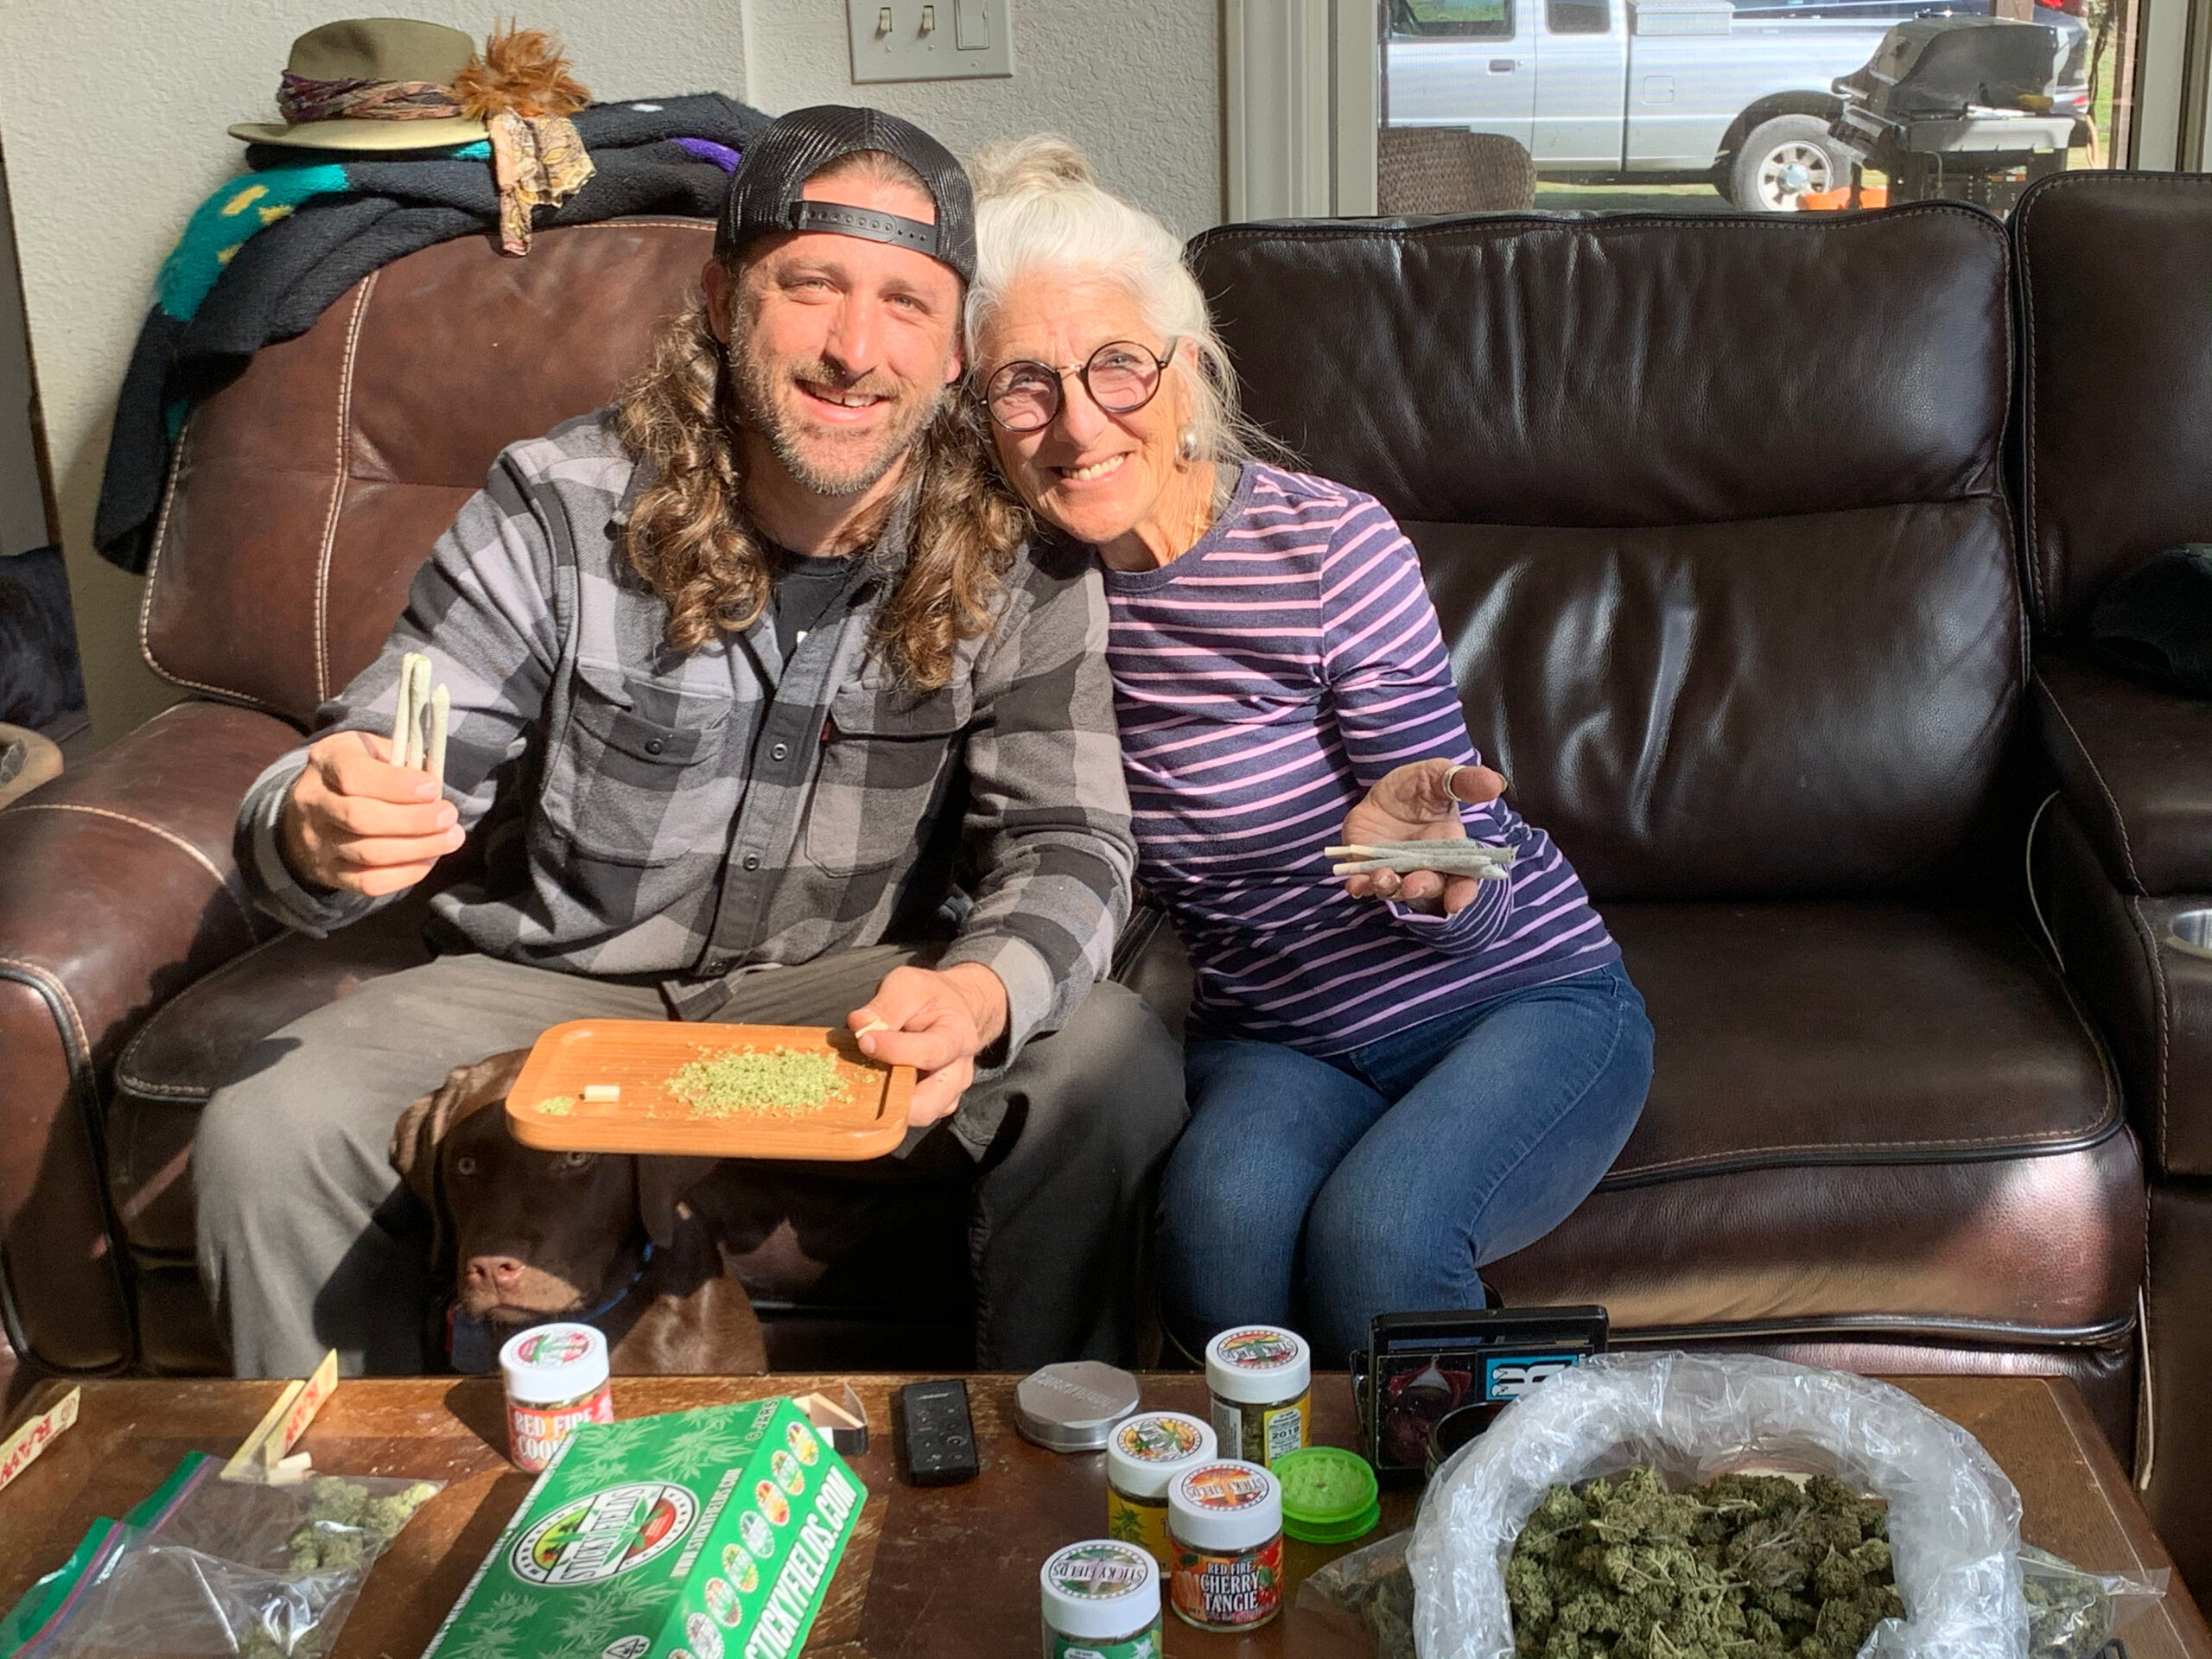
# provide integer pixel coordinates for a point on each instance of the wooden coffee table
(947, 1573)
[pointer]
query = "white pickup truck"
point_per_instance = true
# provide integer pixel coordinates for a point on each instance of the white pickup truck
(1662, 91)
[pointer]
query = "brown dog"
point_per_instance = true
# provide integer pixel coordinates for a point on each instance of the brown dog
(537, 1235)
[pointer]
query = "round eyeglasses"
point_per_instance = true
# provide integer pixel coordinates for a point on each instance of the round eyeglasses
(1120, 376)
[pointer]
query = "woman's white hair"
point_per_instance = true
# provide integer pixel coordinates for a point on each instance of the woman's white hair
(1040, 206)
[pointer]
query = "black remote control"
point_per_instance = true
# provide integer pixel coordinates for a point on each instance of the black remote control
(937, 1441)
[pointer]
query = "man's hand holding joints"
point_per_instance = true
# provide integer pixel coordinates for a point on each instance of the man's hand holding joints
(355, 823)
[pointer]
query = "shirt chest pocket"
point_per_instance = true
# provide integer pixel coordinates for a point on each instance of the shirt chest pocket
(885, 760)
(642, 777)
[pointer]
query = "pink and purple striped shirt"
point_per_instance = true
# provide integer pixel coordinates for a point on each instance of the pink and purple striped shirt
(1264, 682)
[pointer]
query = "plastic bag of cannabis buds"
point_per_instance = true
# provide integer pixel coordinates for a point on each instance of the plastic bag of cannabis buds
(2073, 1612)
(210, 1567)
(1948, 1516)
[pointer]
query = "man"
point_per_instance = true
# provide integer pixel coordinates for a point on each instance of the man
(759, 659)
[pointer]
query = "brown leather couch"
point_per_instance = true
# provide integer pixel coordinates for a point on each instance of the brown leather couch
(2115, 407)
(1717, 516)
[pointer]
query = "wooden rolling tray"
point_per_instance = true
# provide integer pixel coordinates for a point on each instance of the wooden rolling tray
(637, 1057)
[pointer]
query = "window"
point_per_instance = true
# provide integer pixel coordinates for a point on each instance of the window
(1764, 106)
(1462, 20)
(1578, 17)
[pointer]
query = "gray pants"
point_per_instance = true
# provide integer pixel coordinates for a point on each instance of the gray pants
(306, 1240)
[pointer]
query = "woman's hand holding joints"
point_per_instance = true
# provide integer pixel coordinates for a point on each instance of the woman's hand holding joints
(1419, 801)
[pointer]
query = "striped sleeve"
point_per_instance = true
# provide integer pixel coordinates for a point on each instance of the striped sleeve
(1389, 681)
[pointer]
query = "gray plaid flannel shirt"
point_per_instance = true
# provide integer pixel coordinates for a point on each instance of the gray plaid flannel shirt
(680, 817)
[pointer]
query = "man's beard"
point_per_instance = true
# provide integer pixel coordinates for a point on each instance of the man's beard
(755, 384)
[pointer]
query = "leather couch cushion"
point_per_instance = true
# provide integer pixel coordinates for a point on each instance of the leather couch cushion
(2116, 384)
(1867, 1122)
(2153, 1002)
(1712, 510)
(1691, 718)
(2137, 766)
(1632, 369)
(306, 492)
(199, 1038)
(1863, 1117)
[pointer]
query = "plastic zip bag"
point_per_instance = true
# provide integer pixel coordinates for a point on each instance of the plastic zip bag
(1371, 1587)
(219, 1568)
(144, 1595)
(322, 1522)
(1954, 1519)
(2072, 1612)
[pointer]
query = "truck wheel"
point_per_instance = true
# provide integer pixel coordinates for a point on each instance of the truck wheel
(1781, 160)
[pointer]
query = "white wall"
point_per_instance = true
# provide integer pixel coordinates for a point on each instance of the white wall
(112, 117)
(1137, 83)
(23, 507)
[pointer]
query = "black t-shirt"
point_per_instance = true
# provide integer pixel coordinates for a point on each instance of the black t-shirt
(805, 589)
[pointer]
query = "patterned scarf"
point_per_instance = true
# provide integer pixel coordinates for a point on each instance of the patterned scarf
(536, 158)
(301, 100)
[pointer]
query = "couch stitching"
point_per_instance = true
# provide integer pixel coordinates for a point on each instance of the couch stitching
(2028, 358)
(1778, 225)
(337, 487)
(2146, 1399)
(2165, 1031)
(169, 835)
(153, 568)
(131, 1084)
(61, 991)
(2029, 203)
(1966, 1142)
(2126, 850)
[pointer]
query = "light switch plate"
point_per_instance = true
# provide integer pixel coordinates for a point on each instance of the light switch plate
(931, 40)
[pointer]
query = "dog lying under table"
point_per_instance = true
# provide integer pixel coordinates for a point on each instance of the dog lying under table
(536, 1236)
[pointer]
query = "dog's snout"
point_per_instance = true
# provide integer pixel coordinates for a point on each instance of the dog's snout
(493, 1272)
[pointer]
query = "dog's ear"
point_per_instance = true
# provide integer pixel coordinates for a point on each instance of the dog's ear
(662, 1183)
(422, 1128)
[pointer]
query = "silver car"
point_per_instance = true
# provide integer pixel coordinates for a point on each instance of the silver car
(1662, 91)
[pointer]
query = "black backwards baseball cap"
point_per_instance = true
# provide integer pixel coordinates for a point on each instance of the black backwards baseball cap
(764, 196)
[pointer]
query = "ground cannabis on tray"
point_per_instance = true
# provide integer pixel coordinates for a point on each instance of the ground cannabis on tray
(780, 1083)
(1746, 1566)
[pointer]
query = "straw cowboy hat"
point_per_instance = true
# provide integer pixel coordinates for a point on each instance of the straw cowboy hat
(372, 83)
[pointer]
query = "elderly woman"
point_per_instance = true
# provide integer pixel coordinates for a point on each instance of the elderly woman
(1394, 1079)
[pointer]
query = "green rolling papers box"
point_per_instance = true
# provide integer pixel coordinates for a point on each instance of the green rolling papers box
(698, 1535)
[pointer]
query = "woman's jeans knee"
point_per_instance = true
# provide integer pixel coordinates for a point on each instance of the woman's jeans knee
(1320, 1192)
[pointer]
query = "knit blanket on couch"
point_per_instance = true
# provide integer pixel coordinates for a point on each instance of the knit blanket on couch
(268, 253)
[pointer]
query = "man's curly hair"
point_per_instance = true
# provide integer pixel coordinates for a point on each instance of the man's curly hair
(689, 535)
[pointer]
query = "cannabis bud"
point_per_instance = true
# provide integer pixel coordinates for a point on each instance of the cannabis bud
(1746, 1566)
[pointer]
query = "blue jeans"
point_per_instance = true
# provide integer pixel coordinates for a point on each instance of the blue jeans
(1316, 1193)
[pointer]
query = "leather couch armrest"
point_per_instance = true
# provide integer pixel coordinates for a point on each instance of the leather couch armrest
(2153, 1002)
(2136, 767)
(117, 889)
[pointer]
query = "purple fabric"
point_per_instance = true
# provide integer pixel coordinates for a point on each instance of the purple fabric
(1265, 681)
(708, 151)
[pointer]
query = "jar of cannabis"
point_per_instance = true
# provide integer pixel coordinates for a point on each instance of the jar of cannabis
(1261, 1379)
(1143, 1455)
(1224, 1519)
(556, 1381)
(1102, 1601)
